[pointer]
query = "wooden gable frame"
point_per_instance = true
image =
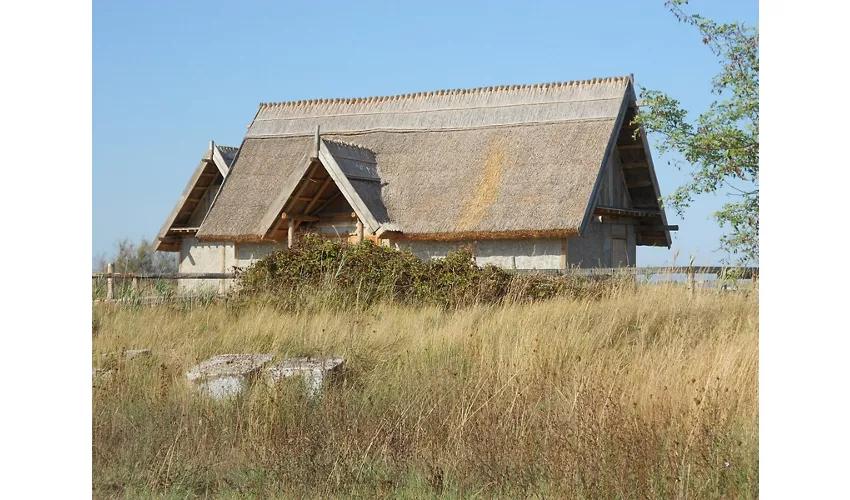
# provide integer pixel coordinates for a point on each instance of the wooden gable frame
(656, 231)
(297, 202)
(212, 165)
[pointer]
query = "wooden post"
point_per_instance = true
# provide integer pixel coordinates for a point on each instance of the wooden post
(359, 231)
(290, 236)
(135, 285)
(110, 268)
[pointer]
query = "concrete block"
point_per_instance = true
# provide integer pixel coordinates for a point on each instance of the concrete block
(227, 374)
(313, 371)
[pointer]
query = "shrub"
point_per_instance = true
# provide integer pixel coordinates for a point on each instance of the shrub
(363, 273)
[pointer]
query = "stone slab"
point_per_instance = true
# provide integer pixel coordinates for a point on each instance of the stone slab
(226, 374)
(313, 371)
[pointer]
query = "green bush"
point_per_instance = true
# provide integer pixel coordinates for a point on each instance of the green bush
(363, 274)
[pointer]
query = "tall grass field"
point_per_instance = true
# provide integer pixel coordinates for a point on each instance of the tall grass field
(644, 392)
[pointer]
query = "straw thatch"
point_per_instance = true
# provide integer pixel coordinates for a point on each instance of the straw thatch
(498, 161)
(260, 170)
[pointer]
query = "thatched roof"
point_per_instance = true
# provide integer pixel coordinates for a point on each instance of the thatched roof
(498, 161)
(212, 169)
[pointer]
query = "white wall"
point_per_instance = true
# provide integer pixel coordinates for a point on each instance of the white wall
(509, 254)
(202, 257)
(248, 253)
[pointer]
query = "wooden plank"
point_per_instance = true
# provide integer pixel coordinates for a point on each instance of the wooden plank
(614, 219)
(607, 246)
(298, 217)
(673, 227)
(362, 178)
(626, 212)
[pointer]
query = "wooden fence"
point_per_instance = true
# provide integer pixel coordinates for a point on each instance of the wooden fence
(719, 272)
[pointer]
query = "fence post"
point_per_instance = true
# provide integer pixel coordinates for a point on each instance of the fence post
(135, 285)
(110, 268)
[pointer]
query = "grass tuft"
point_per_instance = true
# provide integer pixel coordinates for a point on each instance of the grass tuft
(629, 393)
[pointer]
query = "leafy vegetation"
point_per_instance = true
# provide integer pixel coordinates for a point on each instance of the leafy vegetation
(331, 272)
(132, 257)
(137, 258)
(722, 144)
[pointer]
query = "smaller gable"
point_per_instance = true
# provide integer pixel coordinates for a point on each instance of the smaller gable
(197, 197)
(342, 177)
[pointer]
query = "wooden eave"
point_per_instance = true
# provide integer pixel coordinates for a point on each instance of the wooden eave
(209, 170)
(630, 143)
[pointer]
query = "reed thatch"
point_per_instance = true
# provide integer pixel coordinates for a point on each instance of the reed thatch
(517, 159)
(260, 170)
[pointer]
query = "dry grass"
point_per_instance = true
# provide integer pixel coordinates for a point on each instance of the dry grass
(648, 393)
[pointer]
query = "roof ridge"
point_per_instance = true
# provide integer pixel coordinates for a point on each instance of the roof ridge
(226, 147)
(348, 100)
(349, 144)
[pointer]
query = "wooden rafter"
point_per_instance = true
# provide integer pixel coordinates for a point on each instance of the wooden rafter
(316, 198)
(328, 202)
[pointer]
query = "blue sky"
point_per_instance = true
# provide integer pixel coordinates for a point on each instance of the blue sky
(168, 77)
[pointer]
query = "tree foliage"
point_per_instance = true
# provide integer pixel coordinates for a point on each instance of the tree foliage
(130, 257)
(722, 145)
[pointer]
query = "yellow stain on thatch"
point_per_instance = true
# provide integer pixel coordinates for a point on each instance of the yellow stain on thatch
(475, 207)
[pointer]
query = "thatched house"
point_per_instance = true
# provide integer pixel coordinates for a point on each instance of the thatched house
(543, 176)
